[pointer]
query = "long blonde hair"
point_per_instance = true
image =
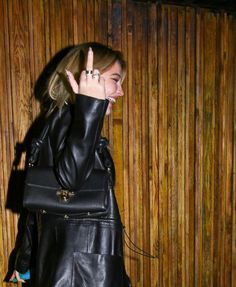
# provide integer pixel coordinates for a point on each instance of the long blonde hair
(58, 88)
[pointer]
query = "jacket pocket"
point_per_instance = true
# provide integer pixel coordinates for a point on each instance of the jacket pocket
(97, 270)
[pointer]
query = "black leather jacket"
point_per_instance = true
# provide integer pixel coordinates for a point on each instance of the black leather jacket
(77, 251)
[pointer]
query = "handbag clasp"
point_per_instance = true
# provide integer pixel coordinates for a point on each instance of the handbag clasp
(64, 195)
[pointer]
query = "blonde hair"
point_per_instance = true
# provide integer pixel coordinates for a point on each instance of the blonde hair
(58, 88)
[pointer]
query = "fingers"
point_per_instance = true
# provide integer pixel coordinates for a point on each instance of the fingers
(96, 74)
(16, 276)
(12, 276)
(102, 81)
(90, 82)
(83, 76)
(89, 65)
(72, 81)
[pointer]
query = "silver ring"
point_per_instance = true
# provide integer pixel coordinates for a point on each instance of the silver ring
(96, 75)
(89, 72)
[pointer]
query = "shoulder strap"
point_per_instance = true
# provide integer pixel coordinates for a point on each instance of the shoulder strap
(36, 146)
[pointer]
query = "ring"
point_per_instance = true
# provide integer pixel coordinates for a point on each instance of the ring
(89, 72)
(96, 75)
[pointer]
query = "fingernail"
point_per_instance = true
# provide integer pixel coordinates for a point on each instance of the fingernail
(90, 49)
(67, 73)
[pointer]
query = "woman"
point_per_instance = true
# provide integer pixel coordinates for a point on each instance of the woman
(79, 251)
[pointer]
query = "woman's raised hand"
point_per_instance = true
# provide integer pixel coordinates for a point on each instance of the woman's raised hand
(90, 82)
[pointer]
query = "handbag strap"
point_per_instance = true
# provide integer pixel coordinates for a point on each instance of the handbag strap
(138, 250)
(36, 146)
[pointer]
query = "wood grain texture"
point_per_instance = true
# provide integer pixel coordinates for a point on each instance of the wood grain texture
(173, 134)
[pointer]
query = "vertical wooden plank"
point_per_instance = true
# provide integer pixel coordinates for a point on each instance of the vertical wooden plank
(209, 36)
(137, 133)
(190, 146)
(172, 144)
(37, 47)
(126, 42)
(66, 23)
(55, 26)
(222, 147)
(128, 138)
(162, 145)
(217, 163)
(144, 202)
(4, 138)
(90, 29)
(199, 149)
(153, 73)
(123, 48)
(181, 148)
(229, 154)
(79, 21)
(233, 273)
(101, 22)
(46, 9)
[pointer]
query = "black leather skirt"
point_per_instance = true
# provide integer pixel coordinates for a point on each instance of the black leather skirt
(80, 253)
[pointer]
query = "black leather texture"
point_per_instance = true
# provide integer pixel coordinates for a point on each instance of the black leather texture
(43, 193)
(76, 252)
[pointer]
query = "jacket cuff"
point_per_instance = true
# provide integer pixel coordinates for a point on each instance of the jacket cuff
(21, 266)
(90, 107)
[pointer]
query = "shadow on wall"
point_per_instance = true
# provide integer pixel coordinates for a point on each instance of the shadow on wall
(17, 176)
(16, 181)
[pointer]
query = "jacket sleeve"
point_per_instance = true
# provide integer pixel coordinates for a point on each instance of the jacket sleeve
(25, 247)
(74, 146)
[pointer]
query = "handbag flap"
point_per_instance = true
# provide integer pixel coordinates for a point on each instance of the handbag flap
(43, 192)
(45, 176)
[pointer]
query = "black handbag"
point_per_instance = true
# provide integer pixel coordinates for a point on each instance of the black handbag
(43, 193)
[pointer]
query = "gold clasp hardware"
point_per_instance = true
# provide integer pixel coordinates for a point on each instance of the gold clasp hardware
(65, 195)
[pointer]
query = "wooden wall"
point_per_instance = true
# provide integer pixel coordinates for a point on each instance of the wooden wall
(173, 135)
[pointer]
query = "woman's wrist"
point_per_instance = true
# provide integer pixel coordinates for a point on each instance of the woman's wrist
(91, 96)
